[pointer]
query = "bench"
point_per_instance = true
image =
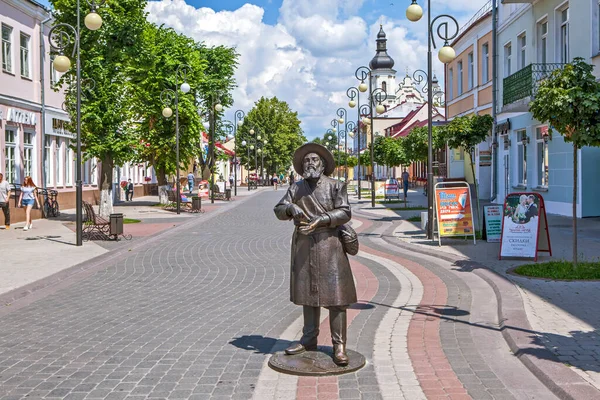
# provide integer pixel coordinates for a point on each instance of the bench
(97, 228)
(94, 226)
(172, 201)
(218, 195)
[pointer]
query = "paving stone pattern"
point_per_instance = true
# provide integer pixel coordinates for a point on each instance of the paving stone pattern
(191, 318)
(455, 335)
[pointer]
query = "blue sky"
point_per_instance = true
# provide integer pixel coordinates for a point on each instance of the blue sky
(306, 51)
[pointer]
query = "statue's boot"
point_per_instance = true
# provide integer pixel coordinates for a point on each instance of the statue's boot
(310, 332)
(338, 325)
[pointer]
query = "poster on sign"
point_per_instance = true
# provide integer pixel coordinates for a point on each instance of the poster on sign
(391, 189)
(453, 209)
(493, 223)
(524, 220)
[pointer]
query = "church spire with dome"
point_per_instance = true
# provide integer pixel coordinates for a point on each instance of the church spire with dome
(382, 73)
(381, 60)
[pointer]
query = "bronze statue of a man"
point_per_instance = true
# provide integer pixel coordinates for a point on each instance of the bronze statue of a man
(320, 274)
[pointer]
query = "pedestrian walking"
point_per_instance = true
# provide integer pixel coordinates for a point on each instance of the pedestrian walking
(190, 179)
(4, 200)
(231, 180)
(275, 181)
(129, 190)
(26, 199)
(405, 180)
(291, 178)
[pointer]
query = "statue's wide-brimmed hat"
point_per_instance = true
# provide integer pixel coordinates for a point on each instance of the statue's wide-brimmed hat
(322, 151)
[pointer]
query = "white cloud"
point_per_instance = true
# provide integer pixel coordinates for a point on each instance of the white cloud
(308, 58)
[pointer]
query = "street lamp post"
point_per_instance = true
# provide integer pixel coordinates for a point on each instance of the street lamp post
(166, 97)
(414, 12)
(342, 118)
(230, 130)
(335, 124)
(350, 127)
(59, 40)
(238, 122)
(376, 97)
(214, 107)
(353, 93)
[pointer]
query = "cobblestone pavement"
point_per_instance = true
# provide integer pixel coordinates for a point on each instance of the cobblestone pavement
(197, 315)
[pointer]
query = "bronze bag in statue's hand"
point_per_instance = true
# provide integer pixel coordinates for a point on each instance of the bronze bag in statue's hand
(349, 239)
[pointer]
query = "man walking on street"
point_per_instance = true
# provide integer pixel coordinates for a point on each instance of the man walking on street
(129, 191)
(191, 181)
(405, 178)
(4, 200)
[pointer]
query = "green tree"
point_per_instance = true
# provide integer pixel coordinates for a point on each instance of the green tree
(221, 63)
(467, 132)
(390, 152)
(274, 121)
(569, 100)
(105, 55)
(415, 145)
(162, 51)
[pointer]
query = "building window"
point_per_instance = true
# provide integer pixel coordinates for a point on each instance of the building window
(7, 48)
(507, 60)
(522, 157)
(57, 161)
(459, 78)
(10, 151)
(470, 71)
(68, 164)
(564, 35)
(450, 84)
(485, 63)
(48, 160)
(522, 51)
(28, 153)
(384, 86)
(542, 156)
(53, 72)
(543, 42)
(25, 70)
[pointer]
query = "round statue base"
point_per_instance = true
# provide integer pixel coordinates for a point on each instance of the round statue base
(315, 363)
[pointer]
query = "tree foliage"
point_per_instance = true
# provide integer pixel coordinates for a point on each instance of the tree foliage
(390, 152)
(274, 121)
(105, 57)
(468, 131)
(569, 100)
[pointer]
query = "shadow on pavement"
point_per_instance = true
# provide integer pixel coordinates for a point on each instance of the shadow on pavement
(260, 344)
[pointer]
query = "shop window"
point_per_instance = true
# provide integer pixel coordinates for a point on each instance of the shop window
(28, 153)
(48, 160)
(68, 164)
(10, 151)
(522, 157)
(541, 134)
(58, 161)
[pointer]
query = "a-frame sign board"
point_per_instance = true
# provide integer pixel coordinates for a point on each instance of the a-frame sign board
(525, 230)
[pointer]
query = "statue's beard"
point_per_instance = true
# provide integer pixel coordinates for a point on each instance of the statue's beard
(312, 173)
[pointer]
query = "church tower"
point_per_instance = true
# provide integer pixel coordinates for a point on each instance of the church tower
(383, 74)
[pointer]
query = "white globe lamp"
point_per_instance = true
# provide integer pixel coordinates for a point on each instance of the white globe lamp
(380, 109)
(446, 54)
(352, 104)
(61, 63)
(363, 87)
(93, 21)
(414, 12)
(185, 87)
(167, 112)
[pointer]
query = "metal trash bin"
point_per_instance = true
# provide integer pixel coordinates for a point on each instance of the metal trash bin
(227, 194)
(196, 203)
(116, 224)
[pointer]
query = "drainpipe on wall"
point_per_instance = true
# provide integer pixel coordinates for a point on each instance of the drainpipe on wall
(43, 99)
(494, 99)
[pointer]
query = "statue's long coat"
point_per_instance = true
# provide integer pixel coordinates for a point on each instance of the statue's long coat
(321, 274)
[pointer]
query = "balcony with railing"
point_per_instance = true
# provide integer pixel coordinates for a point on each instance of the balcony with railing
(525, 82)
